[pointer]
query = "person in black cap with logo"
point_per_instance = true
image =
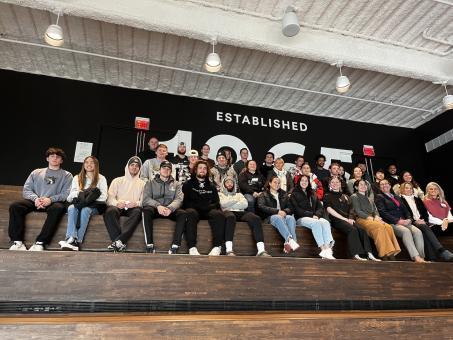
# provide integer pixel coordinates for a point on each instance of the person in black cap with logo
(124, 199)
(162, 198)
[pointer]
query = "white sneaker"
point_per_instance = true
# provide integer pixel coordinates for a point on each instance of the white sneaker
(372, 258)
(357, 257)
(293, 244)
(193, 251)
(64, 245)
(36, 247)
(18, 245)
(327, 254)
(215, 251)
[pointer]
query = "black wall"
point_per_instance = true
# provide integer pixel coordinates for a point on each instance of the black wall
(438, 161)
(39, 111)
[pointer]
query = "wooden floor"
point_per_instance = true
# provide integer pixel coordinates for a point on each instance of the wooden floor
(296, 325)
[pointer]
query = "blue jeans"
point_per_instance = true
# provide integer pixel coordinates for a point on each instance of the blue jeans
(286, 226)
(320, 229)
(72, 231)
(251, 201)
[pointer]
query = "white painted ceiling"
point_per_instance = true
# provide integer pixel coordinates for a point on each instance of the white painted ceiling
(392, 51)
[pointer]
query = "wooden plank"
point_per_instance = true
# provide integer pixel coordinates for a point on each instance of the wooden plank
(91, 276)
(345, 325)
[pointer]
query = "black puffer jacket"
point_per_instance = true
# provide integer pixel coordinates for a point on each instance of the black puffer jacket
(305, 206)
(267, 205)
(250, 183)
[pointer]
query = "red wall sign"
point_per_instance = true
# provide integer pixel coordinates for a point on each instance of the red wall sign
(142, 123)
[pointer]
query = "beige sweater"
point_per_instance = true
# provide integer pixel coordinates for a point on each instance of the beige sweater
(126, 188)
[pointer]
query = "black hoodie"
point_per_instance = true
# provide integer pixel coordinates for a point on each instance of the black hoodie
(201, 196)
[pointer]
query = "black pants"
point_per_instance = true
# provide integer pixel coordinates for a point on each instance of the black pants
(437, 230)
(432, 245)
(216, 220)
(150, 213)
(17, 212)
(112, 222)
(252, 220)
(358, 239)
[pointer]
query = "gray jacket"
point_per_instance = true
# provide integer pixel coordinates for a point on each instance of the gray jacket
(157, 192)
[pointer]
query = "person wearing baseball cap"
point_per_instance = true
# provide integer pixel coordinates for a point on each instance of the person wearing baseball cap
(162, 198)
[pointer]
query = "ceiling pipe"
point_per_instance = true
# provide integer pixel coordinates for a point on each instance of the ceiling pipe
(173, 68)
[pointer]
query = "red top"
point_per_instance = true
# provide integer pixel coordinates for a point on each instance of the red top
(437, 209)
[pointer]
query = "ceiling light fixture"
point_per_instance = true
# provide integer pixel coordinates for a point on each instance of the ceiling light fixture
(448, 99)
(213, 63)
(54, 34)
(343, 84)
(290, 22)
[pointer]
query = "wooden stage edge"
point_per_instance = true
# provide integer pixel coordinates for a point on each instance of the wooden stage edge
(399, 325)
(216, 316)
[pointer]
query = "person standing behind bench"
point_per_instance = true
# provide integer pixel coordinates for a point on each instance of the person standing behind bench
(201, 201)
(162, 198)
(124, 199)
(44, 190)
(88, 195)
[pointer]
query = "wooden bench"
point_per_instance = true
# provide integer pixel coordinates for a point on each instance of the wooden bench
(97, 238)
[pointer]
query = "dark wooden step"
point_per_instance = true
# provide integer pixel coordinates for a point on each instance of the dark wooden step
(314, 325)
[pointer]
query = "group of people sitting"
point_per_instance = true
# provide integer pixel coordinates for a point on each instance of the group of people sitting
(186, 189)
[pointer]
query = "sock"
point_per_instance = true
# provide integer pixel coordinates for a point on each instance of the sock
(19, 243)
(149, 245)
(260, 247)
(39, 243)
(174, 246)
(229, 246)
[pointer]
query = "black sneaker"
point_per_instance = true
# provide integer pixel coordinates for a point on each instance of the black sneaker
(173, 250)
(446, 255)
(150, 248)
(117, 246)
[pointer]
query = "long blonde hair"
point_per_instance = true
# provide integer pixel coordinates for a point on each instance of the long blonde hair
(83, 173)
(441, 192)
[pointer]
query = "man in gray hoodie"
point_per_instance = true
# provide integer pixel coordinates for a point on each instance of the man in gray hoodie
(233, 205)
(162, 198)
(45, 190)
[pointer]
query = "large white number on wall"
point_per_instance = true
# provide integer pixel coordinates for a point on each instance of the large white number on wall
(216, 142)
(181, 136)
(338, 154)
